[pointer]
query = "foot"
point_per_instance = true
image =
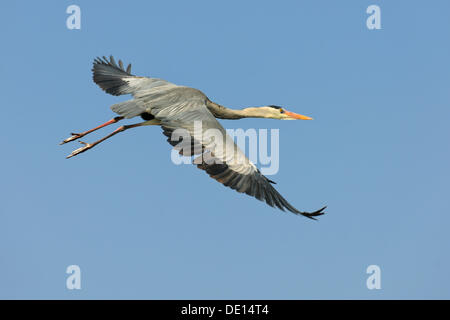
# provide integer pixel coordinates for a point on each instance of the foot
(87, 146)
(73, 137)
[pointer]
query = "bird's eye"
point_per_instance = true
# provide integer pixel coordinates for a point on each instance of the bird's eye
(281, 111)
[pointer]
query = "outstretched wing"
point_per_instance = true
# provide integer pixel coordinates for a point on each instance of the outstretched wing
(114, 79)
(222, 160)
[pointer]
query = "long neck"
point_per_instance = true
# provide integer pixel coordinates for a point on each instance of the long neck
(222, 112)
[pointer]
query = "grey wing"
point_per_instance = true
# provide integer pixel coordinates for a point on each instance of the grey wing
(222, 160)
(114, 79)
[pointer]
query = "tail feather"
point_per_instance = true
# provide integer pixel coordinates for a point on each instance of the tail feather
(110, 77)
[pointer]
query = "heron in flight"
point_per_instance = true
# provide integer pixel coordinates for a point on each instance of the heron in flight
(159, 102)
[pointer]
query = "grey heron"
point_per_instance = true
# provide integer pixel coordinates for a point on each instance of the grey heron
(159, 102)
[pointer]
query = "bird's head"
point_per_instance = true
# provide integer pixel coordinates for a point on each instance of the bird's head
(276, 112)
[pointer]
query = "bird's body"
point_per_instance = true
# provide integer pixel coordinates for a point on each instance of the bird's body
(173, 107)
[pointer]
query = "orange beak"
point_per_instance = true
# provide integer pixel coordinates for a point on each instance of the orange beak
(297, 116)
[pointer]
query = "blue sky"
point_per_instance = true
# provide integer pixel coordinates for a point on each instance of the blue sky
(140, 227)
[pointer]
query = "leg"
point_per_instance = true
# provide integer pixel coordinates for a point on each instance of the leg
(88, 146)
(79, 135)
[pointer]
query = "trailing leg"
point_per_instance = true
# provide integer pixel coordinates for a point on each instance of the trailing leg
(79, 135)
(88, 146)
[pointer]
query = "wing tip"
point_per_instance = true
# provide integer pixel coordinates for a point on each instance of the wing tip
(313, 215)
(109, 75)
